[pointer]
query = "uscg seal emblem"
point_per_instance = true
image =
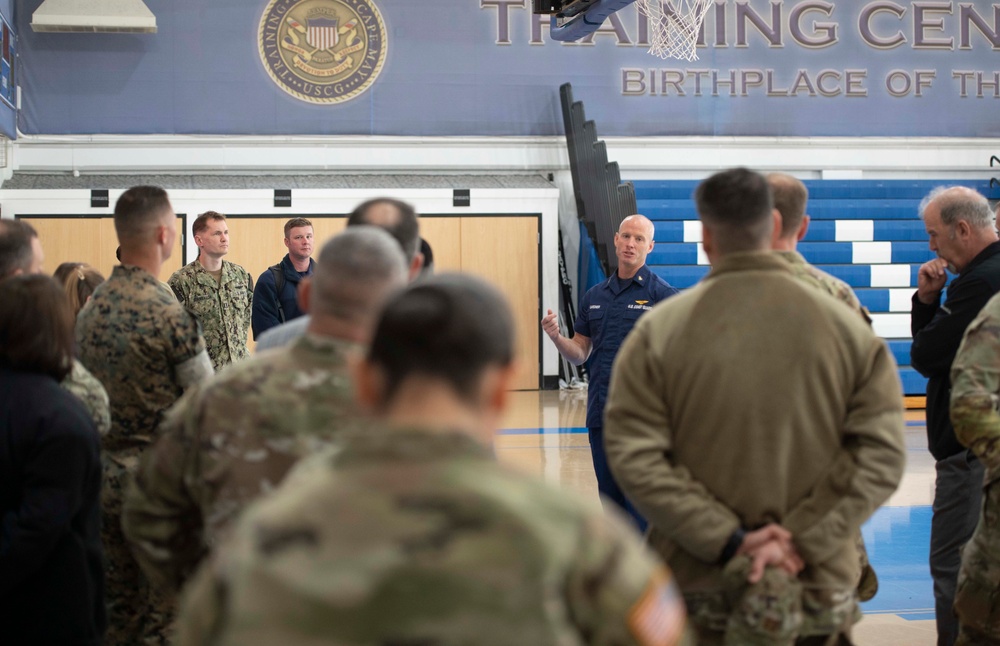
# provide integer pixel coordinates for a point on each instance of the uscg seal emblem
(322, 51)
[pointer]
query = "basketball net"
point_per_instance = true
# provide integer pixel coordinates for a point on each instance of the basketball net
(674, 26)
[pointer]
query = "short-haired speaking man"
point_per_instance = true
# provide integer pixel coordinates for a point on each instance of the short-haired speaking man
(234, 438)
(274, 300)
(395, 217)
(411, 533)
(607, 313)
(146, 350)
(218, 292)
(961, 231)
(753, 416)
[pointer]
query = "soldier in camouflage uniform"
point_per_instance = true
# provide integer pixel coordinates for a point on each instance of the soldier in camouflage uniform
(790, 197)
(21, 253)
(233, 439)
(975, 393)
(411, 533)
(217, 291)
(146, 350)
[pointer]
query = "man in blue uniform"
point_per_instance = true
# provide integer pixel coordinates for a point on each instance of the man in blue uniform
(607, 313)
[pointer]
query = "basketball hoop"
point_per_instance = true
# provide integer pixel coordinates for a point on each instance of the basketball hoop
(674, 26)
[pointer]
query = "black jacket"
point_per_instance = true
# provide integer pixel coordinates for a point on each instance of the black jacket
(51, 559)
(937, 333)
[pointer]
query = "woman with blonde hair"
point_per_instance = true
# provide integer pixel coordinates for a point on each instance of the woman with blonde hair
(79, 284)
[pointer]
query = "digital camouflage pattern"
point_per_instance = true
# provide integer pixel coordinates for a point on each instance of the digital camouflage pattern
(823, 281)
(776, 611)
(810, 275)
(133, 335)
(230, 440)
(417, 537)
(89, 390)
(975, 393)
(222, 309)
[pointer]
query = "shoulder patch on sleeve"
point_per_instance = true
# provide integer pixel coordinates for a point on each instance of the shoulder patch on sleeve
(658, 617)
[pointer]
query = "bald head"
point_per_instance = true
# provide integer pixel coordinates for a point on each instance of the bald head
(790, 196)
(639, 221)
(396, 217)
(355, 271)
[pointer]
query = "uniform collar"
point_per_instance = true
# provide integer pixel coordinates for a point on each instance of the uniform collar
(315, 344)
(618, 285)
(411, 444)
(749, 261)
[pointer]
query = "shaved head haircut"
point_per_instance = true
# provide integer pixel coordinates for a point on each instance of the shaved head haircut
(736, 205)
(355, 271)
(15, 246)
(138, 213)
(790, 197)
(395, 216)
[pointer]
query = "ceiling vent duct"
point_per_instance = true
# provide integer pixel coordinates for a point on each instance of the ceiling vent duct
(94, 16)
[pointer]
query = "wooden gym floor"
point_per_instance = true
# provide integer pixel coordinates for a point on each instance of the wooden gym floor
(544, 434)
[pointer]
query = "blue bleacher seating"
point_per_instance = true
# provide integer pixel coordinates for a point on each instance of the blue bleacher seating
(841, 212)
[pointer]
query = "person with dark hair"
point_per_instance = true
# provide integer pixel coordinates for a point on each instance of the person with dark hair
(51, 563)
(756, 423)
(410, 532)
(21, 253)
(395, 217)
(20, 249)
(274, 298)
(218, 292)
(607, 313)
(147, 350)
(232, 439)
(961, 231)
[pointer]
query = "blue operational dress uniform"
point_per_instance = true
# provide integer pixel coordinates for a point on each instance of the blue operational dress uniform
(607, 313)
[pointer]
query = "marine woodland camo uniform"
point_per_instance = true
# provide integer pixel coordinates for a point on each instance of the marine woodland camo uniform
(975, 392)
(750, 399)
(223, 307)
(409, 536)
(144, 348)
(229, 441)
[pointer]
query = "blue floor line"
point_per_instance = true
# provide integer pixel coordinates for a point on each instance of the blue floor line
(561, 430)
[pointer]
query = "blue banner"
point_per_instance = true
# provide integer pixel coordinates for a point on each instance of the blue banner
(487, 67)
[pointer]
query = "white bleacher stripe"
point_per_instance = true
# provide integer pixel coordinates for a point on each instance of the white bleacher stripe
(891, 326)
(702, 258)
(866, 253)
(692, 230)
(855, 230)
(890, 275)
(900, 300)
